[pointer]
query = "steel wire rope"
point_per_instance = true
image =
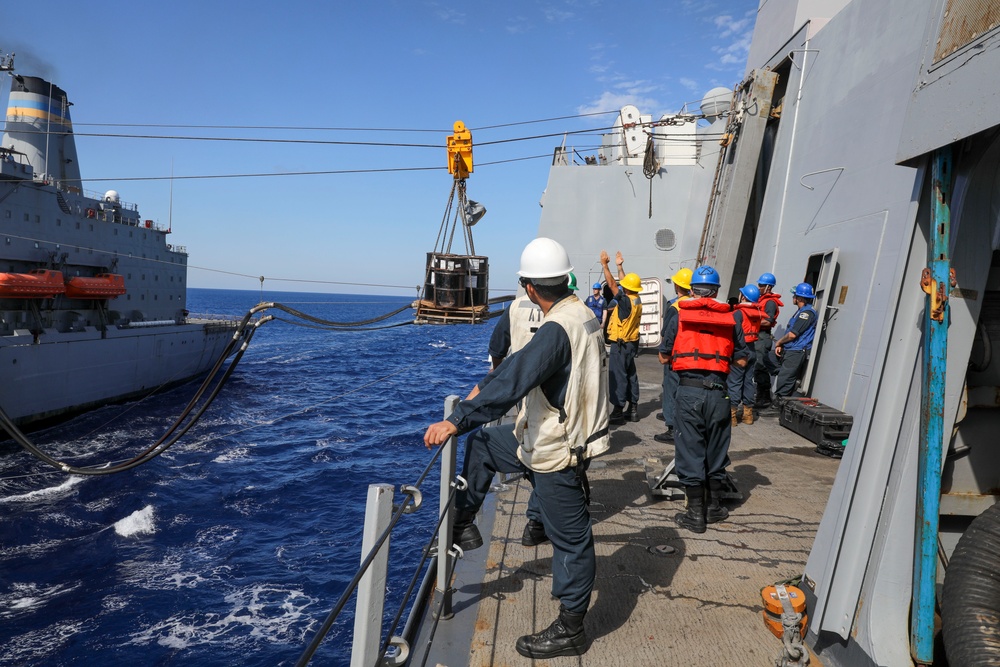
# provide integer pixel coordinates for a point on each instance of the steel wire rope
(172, 435)
(330, 323)
(425, 554)
(369, 559)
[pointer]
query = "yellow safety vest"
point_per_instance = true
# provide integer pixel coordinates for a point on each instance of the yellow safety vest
(628, 330)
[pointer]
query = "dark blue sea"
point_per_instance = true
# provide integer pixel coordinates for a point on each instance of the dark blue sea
(233, 546)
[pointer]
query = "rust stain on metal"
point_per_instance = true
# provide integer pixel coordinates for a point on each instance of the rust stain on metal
(964, 22)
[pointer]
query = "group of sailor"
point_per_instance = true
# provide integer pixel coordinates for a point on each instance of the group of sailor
(551, 358)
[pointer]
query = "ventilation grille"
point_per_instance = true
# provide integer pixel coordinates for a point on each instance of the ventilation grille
(964, 22)
(665, 239)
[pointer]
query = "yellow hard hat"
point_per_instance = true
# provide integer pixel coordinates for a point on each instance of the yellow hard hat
(682, 278)
(631, 282)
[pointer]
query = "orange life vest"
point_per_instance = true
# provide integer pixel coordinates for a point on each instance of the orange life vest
(764, 298)
(751, 320)
(704, 336)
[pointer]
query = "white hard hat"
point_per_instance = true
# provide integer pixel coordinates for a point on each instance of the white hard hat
(544, 258)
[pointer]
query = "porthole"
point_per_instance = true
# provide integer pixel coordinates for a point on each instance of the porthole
(665, 239)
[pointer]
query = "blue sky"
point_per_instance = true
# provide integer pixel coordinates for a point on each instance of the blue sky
(385, 67)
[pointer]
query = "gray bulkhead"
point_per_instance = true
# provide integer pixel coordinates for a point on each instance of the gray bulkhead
(862, 95)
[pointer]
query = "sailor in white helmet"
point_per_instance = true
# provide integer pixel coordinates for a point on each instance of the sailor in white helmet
(561, 374)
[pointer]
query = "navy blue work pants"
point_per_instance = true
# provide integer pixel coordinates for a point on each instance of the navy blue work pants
(792, 363)
(561, 501)
(702, 434)
(741, 384)
(623, 381)
(670, 380)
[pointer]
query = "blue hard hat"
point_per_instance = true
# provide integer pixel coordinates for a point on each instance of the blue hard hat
(705, 275)
(804, 291)
(596, 286)
(767, 279)
(751, 293)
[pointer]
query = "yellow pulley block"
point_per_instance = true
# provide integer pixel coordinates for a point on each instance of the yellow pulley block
(779, 600)
(460, 151)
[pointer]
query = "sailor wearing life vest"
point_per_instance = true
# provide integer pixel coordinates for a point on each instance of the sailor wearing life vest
(770, 305)
(704, 342)
(793, 347)
(742, 388)
(623, 332)
(562, 375)
(682, 288)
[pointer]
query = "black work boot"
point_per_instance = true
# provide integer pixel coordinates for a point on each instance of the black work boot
(632, 414)
(464, 533)
(564, 637)
(694, 517)
(715, 512)
(666, 436)
(534, 534)
(617, 416)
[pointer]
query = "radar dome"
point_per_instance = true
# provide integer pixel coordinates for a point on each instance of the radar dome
(716, 102)
(111, 196)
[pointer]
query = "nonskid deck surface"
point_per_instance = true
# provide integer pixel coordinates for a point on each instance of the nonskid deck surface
(700, 603)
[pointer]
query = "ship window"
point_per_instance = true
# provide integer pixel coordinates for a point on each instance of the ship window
(27, 217)
(116, 232)
(130, 233)
(157, 277)
(38, 218)
(142, 297)
(8, 240)
(143, 277)
(78, 225)
(91, 227)
(58, 222)
(156, 297)
(130, 276)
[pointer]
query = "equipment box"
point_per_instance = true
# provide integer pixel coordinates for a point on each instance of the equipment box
(815, 421)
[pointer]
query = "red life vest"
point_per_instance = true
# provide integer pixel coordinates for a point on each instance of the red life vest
(751, 320)
(704, 336)
(764, 298)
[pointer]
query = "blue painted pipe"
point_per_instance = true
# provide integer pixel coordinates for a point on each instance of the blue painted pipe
(932, 390)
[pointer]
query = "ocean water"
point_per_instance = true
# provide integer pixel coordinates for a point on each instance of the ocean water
(233, 546)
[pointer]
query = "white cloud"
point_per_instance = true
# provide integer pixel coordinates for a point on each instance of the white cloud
(611, 101)
(690, 84)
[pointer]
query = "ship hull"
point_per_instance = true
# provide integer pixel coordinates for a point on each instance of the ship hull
(65, 374)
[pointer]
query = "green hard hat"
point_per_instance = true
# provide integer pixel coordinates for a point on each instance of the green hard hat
(572, 281)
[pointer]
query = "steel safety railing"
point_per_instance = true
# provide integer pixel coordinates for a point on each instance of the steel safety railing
(370, 648)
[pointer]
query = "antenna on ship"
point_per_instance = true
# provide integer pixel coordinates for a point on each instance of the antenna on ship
(7, 63)
(456, 287)
(170, 206)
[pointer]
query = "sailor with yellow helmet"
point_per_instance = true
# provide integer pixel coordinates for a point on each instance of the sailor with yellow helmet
(623, 332)
(682, 288)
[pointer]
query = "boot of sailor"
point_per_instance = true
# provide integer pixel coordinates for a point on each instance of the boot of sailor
(694, 517)
(632, 414)
(464, 533)
(617, 416)
(747, 414)
(565, 636)
(715, 512)
(534, 534)
(734, 420)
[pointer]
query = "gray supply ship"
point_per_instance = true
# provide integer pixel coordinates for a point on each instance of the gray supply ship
(92, 297)
(861, 154)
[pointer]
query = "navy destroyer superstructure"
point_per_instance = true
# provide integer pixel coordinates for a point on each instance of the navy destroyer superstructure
(127, 332)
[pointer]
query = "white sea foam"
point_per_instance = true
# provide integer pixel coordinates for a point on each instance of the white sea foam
(23, 597)
(233, 454)
(257, 613)
(44, 494)
(139, 522)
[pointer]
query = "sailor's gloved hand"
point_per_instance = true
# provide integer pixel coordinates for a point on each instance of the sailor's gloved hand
(438, 434)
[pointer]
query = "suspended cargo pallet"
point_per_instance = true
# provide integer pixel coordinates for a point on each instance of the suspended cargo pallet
(456, 289)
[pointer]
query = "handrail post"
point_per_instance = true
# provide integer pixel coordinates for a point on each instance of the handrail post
(933, 386)
(444, 536)
(371, 588)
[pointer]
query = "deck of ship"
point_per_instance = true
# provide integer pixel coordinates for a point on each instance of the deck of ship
(700, 603)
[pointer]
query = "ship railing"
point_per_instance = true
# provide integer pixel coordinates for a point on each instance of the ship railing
(370, 646)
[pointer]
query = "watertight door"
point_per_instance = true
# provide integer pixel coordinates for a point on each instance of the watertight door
(652, 312)
(827, 267)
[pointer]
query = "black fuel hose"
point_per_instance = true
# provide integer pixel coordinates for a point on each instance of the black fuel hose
(970, 603)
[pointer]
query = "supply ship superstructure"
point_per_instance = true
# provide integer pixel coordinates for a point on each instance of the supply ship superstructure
(92, 297)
